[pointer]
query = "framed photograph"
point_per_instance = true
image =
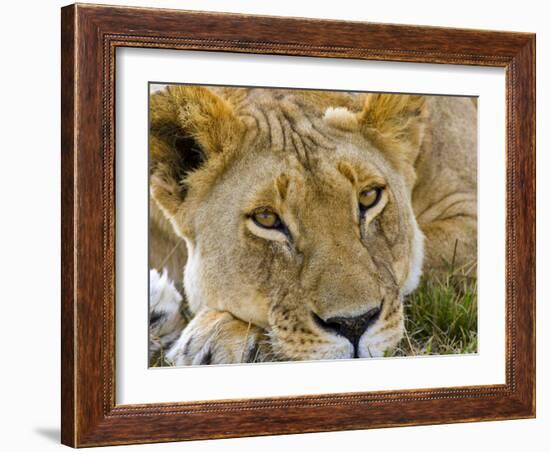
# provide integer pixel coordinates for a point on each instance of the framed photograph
(281, 225)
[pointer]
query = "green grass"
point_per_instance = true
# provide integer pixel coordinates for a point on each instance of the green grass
(441, 317)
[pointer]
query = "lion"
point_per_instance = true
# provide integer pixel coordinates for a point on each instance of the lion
(301, 219)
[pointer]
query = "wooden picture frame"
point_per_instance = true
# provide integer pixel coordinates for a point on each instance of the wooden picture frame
(90, 36)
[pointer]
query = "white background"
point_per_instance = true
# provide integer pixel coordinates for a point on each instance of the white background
(137, 384)
(30, 226)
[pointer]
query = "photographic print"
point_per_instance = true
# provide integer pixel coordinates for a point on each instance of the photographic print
(269, 202)
(292, 225)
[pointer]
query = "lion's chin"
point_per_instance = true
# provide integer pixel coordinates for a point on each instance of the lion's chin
(376, 345)
(370, 352)
(337, 354)
(334, 347)
(338, 348)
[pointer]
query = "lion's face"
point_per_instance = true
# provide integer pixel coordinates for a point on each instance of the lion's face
(299, 221)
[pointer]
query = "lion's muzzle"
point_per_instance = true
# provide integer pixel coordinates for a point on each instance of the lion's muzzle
(352, 328)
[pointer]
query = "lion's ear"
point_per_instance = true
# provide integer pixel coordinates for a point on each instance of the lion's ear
(395, 123)
(189, 125)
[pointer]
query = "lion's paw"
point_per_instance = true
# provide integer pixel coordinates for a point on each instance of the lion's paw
(215, 337)
(165, 319)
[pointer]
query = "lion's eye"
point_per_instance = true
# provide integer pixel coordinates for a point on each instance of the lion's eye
(369, 198)
(266, 219)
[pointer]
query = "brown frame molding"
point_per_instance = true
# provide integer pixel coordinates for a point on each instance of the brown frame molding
(90, 35)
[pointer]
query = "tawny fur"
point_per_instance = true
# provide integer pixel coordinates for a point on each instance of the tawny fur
(307, 155)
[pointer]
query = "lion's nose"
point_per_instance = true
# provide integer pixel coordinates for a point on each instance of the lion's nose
(352, 328)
